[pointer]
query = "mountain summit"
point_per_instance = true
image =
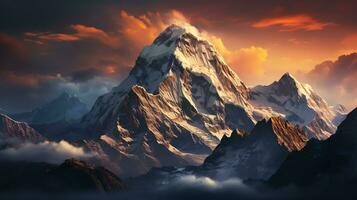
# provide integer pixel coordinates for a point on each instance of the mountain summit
(179, 100)
(298, 103)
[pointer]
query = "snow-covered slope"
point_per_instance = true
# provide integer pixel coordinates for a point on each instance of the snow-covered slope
(297, 103)
(177, 102)
(65, 107)
(254, 155)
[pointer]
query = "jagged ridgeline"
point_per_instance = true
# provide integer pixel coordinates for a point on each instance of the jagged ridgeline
(179, 100)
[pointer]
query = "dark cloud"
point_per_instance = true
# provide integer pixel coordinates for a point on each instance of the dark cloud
(85, 75)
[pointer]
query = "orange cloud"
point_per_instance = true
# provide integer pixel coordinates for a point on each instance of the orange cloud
(140, 30)
(292, 23)
(247, 62)
(81, 32)
(58, 37)
(88, 32)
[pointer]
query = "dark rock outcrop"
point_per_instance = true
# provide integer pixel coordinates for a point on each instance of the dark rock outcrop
(332, 160)
(71, 176)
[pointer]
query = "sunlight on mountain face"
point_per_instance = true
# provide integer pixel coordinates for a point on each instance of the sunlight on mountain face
(166, 100)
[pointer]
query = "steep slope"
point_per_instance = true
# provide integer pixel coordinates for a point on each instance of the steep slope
(11, 129)
(332, 160)
(71, 176)
(177, 102)
(298, 103)
(65, 107)
(256, 155)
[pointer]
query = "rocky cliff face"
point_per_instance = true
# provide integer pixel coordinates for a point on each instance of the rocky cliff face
(256, 155)
(11, 129)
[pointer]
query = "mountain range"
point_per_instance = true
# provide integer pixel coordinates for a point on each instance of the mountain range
(181, 98)
(183, 111)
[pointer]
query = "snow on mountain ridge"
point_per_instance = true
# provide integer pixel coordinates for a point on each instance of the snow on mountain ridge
(296, 102)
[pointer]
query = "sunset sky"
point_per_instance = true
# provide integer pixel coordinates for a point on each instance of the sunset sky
(87, 47)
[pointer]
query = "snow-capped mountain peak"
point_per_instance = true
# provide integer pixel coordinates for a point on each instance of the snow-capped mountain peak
(180, 99)
(298, 103)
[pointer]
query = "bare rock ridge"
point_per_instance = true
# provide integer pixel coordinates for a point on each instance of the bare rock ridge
(11, 129)
(256, 155)
(292, 137)
(181, 98)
